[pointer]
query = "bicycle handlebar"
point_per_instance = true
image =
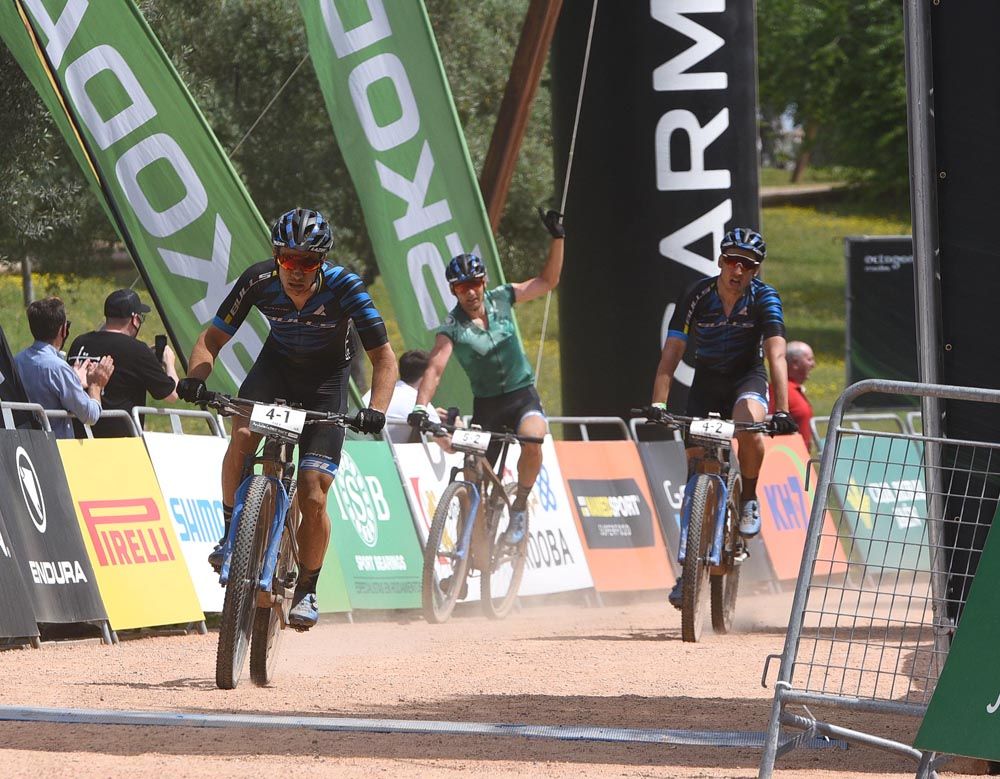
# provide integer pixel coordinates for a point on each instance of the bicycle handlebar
(241, 407)
(658, 416)
(427, 425)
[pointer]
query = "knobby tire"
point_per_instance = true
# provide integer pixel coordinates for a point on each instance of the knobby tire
(241, 592)
(267, 630)
(725, 587)
(500, 591)
(696, 571)
(438, 603)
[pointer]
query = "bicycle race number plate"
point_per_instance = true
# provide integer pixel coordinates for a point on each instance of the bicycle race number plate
(471, 440)
(713, 429)
(279, 421)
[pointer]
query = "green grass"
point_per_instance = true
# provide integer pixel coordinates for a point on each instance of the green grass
(777, 177)
(805, 263)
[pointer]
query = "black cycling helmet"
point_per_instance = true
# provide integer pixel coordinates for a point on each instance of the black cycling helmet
(745, 238)
(465, 267)
(302, 229)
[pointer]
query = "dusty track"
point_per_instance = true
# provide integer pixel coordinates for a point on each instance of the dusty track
(622, 665)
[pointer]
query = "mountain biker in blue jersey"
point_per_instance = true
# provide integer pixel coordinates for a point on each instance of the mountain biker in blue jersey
(734, 321)
(309, 304)
(480, 332)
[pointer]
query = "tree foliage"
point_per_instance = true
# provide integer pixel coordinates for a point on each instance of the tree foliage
(235, 57)
(838, 67)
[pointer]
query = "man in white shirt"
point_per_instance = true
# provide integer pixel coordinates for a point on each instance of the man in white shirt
(404, 395)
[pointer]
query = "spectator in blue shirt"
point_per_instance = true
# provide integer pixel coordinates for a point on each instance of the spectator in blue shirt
(49, 380)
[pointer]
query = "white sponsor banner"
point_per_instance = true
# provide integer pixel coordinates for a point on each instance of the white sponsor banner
(556, 560)
(189, 469)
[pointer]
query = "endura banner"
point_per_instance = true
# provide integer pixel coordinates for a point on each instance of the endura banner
(150, 157)
(16, 617)
(38, 512)
(193, 498)
(129, 536)
(386, 92)
(372, 530)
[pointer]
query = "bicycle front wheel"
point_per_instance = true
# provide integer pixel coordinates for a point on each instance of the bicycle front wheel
(445, 568)
(696, 571)
(726, 586)
(267, 630)
(240, 602)
(502, 576)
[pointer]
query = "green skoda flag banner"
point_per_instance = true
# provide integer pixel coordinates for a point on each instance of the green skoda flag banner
(372, 532)
(151, 158)
(395, 122)
(963, 717)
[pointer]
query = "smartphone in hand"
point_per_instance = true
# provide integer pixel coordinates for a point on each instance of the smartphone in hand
(160, 344)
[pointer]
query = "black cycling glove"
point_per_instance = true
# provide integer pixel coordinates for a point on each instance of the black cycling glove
(368, 420)
(192, 390)
(783, 424)
(553, 222)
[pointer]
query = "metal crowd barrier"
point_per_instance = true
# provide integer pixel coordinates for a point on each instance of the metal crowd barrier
(584, 422)
(134, 430)
(45, 414)
(860, 422)
(875, 638)
(175, 415)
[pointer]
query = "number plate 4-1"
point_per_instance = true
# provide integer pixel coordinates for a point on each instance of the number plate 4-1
(281, 421)
(471, 440)
(717, 429)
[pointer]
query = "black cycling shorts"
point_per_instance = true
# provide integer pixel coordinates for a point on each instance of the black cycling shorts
(718, 392)
(505, 412)
(312, 384)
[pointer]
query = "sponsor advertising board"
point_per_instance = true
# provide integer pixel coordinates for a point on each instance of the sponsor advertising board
(128, 533)
(188, 469)
(372, 530)
(614, 514)
(17, 620)
(39, 516)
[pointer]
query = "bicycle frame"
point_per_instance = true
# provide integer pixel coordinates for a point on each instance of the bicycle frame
(476, 489)
(715, 552)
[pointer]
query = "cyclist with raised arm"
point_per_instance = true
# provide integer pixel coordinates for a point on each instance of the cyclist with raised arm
(480, 333)
(309, 304)
(735, 321)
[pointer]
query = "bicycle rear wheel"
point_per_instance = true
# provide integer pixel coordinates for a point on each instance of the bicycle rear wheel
(502, 577)
(696, 571)
(241, 592)
(725, 586)
(267, 629)
(444, 570)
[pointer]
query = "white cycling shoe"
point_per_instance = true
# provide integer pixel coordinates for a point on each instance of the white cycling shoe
(749, 518)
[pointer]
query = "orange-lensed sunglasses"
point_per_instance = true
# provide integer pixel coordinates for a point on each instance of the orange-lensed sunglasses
(739, 259)
(307, 263)
(461, 287)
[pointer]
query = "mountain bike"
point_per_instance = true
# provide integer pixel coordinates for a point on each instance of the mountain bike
(711, 548)
(260, 554)
(453, 546)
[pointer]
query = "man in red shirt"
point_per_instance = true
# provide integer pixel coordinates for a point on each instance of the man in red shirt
(799, 357)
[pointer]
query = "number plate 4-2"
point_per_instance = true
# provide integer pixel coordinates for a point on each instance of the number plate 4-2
(280, 421)
(717, 429)
(471, 440)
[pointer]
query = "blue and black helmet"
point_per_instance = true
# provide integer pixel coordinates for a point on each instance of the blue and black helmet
(745, 238)
(465, 267)
(302, 229)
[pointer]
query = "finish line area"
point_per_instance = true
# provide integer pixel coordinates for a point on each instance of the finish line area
(702, 738)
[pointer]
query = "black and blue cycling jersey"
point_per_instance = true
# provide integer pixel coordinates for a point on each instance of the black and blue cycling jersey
(728, 344)
(320, 327)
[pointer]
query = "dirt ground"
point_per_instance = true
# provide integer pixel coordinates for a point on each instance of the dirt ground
(621, 665)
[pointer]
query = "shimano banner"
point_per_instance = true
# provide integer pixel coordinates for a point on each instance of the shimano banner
(17, 620)
(395, 122)
(881, 314)
(150, 157)
(665, 162)
(43, 529)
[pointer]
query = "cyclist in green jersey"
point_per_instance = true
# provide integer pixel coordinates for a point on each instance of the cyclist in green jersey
(480, 332)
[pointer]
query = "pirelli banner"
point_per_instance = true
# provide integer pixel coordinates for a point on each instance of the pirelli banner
(129, 536)
(665, 162)
(17, 620)
(44, 534)
(614, 513)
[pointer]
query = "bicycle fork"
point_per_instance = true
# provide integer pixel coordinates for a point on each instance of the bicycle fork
(715, 551)
(274, 534)
(465, 542)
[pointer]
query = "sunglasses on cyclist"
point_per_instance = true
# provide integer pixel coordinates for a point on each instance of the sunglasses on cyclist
(461, 287)
(307, 263)
(738, 259)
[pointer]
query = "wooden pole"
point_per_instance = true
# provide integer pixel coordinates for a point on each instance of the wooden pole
(525, 75)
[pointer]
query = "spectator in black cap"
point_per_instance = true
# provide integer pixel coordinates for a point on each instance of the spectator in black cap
(137, 371)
